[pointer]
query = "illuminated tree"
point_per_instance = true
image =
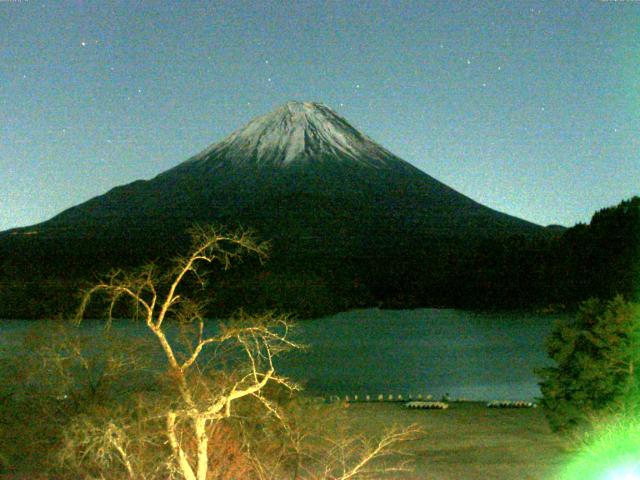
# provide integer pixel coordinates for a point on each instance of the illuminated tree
(214, 370)
(156, 298)
(597, 357)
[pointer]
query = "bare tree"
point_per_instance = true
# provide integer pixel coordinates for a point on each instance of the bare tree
(157, 298)
(325, 446)
(213, 370)
(352, 457)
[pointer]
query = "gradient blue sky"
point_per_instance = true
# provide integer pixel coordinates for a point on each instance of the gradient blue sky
(529, 107)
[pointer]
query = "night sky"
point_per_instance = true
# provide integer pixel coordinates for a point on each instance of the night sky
(531, 108)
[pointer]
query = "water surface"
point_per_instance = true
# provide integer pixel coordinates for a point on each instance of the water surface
(464, 354)
(426, 351)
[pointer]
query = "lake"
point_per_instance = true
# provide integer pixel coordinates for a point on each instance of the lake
(477, 356)
(425, 351)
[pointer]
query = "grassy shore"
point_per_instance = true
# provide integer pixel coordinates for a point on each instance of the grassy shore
(469, 441)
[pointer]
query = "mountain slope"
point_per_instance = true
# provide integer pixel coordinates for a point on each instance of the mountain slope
(287, 170)
(341, 211)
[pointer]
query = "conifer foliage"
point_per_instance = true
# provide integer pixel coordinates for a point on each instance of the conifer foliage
(596, 355)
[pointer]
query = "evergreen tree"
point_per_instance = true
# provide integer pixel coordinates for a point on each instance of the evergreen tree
(596, 356)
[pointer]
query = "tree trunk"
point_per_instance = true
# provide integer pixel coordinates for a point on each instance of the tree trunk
(183, 463)
(203, 447)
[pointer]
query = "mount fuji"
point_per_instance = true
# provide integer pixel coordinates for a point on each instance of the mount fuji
(300, 176)
(287, 174)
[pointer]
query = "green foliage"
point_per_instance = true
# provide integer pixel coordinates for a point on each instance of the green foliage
(597, 356)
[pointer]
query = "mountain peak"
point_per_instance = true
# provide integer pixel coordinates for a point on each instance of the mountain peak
(295, 106)
(294, 133)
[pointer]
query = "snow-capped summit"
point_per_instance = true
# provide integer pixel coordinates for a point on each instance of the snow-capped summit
(300, 172)
(297, 132)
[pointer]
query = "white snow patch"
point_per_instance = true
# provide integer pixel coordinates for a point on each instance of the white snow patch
(298, 132)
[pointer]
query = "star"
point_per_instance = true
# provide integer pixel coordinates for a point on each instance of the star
(268, 79)
(358, 85)
(83, 43)
(484, 84)
(468, 61)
